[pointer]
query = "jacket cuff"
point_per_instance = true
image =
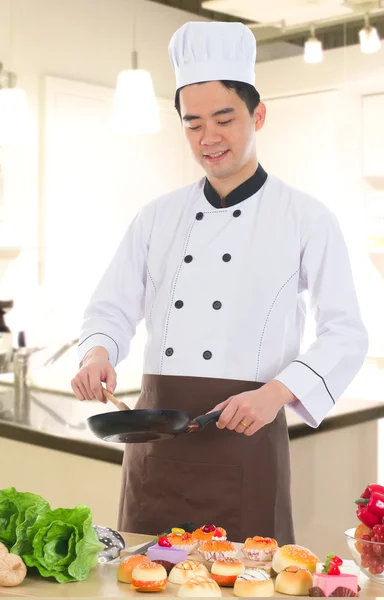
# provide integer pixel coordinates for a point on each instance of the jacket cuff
(100, 339)
(314, 400)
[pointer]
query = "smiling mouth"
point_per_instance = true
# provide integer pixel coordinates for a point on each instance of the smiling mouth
(216, 156)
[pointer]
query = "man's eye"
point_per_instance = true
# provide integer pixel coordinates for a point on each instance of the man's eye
(194, 128)
(225, 122)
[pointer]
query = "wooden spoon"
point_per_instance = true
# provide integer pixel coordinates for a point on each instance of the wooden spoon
(117, 403)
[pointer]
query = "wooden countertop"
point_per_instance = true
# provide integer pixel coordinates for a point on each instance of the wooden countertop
(102, 583)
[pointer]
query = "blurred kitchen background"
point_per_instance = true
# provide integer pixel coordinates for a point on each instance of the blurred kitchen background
(75, 169)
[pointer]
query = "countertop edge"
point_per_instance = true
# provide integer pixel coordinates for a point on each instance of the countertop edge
(110, 454)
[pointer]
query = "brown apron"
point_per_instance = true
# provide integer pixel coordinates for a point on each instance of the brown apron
(238, 482)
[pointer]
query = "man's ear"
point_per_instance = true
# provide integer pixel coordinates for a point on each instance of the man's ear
(260, 114)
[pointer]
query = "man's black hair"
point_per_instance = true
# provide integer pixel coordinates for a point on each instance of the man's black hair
(245, 91)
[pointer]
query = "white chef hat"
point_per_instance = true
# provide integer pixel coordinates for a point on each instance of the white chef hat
(213, 51)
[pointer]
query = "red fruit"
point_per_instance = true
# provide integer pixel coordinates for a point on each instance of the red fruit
(186, 536)
(366, 536)
(218, 533)
(336, 561)
(208, 528)
(164, 542)
(334, 570)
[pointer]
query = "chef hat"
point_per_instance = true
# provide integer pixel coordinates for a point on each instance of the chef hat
(213, 51)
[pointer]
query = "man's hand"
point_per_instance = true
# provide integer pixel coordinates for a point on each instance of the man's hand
(95, 368)
(250, 411)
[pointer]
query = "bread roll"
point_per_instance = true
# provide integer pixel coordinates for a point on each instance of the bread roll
(126, 566)
(225, 571)
(254, 583)
(186, 570)
(199, 587)
(293, 581)
(293, 555)
(149, 577)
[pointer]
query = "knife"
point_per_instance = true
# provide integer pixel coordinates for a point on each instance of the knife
(188, 527)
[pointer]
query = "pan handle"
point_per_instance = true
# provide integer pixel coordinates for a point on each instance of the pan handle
(202, 421)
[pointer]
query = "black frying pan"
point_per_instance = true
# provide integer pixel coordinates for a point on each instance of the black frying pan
(137, 426)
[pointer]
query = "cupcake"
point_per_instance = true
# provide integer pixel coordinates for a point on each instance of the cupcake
(209, 533)
(259, 548)
(215, 550)
(182, 541)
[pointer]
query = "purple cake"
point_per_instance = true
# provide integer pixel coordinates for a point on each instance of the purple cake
(168, 557)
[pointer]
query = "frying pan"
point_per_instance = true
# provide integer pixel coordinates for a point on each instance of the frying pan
(152, 425)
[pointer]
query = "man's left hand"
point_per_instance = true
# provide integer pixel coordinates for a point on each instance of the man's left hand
(250, 411)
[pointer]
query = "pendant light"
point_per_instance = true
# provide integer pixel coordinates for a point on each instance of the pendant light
(369, 38)
(313, 49)
(135, 108)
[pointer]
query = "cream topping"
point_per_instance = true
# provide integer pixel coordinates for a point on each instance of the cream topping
(254, 575)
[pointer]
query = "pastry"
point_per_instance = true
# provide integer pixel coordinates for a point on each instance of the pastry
(208, 533)
(217, 550)
(186, 570)
(224, 572)
(149, 577)
(182, 541)
(293, 555)
(254, 583)
(199, 587)
(331, 582)
(259, 548)
(126, 566)
(293, 581)
(165, 554)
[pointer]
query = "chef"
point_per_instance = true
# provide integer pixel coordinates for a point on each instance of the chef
(218, 269)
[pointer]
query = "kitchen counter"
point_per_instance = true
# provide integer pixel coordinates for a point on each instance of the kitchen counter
(53, 419)
(102, 583)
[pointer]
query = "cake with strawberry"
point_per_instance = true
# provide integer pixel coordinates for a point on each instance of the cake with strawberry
(331, 583)
(209, 533)
(182, 540)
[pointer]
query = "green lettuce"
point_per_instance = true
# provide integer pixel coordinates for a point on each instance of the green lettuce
(18, 510)
(63, 544)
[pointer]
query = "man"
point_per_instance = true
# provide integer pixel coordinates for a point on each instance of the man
(218, 270)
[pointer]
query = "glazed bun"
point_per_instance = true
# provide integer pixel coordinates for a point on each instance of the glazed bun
(199, 587)
(254, 583)
(186, 570)
(293, 555)
(126, 566)
(294, 581)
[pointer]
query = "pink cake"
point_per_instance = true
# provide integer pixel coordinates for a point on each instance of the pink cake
(329, 583)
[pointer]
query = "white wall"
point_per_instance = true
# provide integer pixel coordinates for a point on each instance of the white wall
(84, 40)
(91, 41)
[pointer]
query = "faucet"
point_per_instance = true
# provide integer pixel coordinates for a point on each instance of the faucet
(19, 365)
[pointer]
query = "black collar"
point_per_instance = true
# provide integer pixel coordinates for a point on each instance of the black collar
(239, 194)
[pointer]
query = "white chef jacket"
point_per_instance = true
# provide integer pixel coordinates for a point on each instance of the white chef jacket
(221, 291)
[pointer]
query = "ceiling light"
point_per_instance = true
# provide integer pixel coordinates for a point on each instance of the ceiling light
(369, 38)
(135, 108)
(313, 49)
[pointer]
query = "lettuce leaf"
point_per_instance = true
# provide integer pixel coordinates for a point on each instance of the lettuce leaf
(63, 544)
(18, 510)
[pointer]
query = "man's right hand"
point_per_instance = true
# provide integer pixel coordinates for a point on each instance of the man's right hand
(95, 369)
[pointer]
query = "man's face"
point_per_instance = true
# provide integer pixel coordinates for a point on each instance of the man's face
(219, 128)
